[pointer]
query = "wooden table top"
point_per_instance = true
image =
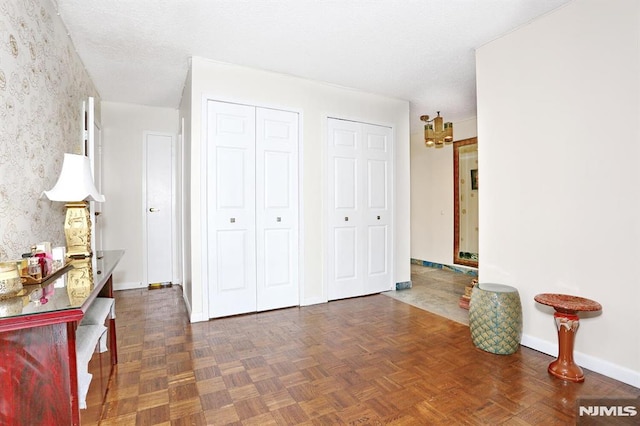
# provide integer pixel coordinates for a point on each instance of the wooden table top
(567, 303)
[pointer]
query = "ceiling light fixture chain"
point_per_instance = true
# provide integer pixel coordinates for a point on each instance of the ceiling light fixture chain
(437, 133)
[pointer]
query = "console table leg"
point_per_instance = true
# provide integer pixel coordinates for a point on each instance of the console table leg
(113, 341)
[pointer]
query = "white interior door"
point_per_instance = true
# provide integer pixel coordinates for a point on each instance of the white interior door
(159, 175)
(276, 208)
(376, 148)
(359, 222)
(345, 216)
(231, 239)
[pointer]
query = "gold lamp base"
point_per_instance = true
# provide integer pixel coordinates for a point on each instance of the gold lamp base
(77, 230)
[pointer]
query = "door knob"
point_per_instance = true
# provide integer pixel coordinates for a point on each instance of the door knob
(152, 210)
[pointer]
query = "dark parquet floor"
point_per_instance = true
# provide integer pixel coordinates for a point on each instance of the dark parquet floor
(365, 361)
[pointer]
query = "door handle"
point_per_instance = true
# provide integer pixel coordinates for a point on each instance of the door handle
(153, 210)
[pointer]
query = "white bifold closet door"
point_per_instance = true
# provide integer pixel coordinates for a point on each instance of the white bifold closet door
(359, 198)
(252, 204)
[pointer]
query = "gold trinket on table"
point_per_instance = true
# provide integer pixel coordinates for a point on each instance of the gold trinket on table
(10, 283)
(11, 306)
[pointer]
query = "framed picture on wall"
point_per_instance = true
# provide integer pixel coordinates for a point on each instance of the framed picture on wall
(474, 179)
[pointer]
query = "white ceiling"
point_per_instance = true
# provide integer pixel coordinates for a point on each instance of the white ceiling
(423, 51)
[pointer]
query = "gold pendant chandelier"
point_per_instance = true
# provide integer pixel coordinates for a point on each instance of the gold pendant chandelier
(435, 132)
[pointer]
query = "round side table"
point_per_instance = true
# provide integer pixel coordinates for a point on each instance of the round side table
(567, 321)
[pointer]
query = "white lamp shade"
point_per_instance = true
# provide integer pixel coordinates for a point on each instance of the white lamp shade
(75, 182)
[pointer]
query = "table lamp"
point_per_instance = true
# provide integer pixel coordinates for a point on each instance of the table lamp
(75, 187)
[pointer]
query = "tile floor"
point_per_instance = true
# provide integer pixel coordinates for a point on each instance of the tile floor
(437, 291)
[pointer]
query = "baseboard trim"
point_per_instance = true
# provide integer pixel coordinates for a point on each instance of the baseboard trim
(132, 285)
(199, 317)
(313, 301)
(606, 368)
(454, 268)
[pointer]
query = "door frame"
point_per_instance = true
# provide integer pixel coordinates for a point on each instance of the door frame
(174, 184)
(181, 211)
(91, 141)
(204, 267)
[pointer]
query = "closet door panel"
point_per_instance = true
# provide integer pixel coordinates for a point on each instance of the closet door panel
(377, 256)
(345, 256)
(344, 199)
(233, 254)
(231, 209)
(277, 191)
(377, 185)
(277, 208)
(345, 185)
(377, 216)
(276, 266)
(230, 166)
(346, 247)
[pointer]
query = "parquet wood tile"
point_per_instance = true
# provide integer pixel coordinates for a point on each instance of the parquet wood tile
(153, 415)
(365, 361)
(153, 399)
(224, 416)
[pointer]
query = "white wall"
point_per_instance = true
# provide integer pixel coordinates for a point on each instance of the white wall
(315, 101)
(432, 196)
(122, 214)
(558, 108)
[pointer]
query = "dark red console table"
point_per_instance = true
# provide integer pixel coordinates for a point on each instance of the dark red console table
(38, 369)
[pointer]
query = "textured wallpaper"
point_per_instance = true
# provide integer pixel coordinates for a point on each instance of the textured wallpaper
(42, 86)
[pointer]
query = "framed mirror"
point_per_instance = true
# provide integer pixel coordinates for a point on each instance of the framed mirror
(465, 202)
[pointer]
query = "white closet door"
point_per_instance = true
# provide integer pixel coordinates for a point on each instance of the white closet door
(376, 146)
(160, 194)
(277, 208)
(231, 209)
(359, 209)
(344, 209)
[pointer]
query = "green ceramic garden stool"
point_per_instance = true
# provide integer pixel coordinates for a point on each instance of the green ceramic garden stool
(495, 318)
